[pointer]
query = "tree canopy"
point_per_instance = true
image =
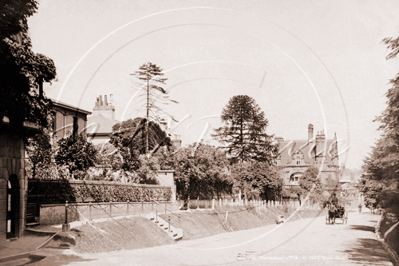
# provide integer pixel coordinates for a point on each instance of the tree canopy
(244, 131)
(201, 171)
(130, 139)
(23, 71)
(257, 180)
(380, 181)
(76, 153)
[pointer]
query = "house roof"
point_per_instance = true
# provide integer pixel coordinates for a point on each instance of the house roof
(99, 124)
(309, 149)
(69, 107)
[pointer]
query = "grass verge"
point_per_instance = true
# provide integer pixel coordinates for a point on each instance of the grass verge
(203, 223)
(127, 233)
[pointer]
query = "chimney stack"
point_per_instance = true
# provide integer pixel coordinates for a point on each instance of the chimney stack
(104, 108)
(310, 132)
(111, 99)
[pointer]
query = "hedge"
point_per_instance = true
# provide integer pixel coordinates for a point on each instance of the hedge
(59, 191)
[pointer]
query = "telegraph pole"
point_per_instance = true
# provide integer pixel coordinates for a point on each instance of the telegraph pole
(148, 115)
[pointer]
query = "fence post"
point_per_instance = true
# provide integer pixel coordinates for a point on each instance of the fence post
(110, 209)
(66, 226)
(66, 212)
(220, 202)
(197, 203)
(90, 218)
(169, 222)
(127, 207)
(188, 203)
(142, 205)
(213, 204)
(152, 204)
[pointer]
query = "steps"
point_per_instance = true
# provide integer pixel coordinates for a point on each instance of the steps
(175, 233)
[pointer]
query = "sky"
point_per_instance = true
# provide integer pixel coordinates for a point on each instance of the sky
(312, 61)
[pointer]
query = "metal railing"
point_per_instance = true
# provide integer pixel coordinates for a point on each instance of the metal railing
(166, 212)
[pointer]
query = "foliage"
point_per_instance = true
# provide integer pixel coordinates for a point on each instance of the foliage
(201, 171)
(39, 153)
(22, 70)
(60, 191)
(154, 96)
(129, 138)
(106, 154)
(380, 183)
(244, 131)
(313, 185)
(76, 153)
(257, 180)
(148, 171)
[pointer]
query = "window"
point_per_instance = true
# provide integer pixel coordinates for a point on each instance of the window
(296, 178)
(75, 126)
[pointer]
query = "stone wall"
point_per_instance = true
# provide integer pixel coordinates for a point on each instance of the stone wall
(12, 154)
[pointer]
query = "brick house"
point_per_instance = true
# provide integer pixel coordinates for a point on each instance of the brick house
(295, 156)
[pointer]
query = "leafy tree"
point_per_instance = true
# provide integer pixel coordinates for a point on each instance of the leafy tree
(23, 71)
(148, 171)
(201, 171)
(244, 131)
(155, 95)
(130, 139)
(39, 152)
(106, 154)
(257, 180)
(310, 183)
(380, 183)
(76, 153)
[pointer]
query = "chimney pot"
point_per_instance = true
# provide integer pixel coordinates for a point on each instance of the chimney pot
(310, 132)
(105, 100)
(101, 100)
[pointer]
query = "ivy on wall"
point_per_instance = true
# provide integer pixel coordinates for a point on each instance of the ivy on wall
(59, 191)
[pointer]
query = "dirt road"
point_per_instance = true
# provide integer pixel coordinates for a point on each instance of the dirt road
(302, 242)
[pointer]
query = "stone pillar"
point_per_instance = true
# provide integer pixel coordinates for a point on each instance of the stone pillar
(12, 163)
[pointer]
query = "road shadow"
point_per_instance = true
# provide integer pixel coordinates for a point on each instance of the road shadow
(367, 251)
(362, 228)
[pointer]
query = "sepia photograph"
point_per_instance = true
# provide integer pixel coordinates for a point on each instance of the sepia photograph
(199, 132)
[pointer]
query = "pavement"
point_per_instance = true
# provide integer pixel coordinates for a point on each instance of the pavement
(20, 249)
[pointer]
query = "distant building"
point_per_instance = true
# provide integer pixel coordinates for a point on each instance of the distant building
(176, 141)
(295, 156)
(101, 122)
(68, 119)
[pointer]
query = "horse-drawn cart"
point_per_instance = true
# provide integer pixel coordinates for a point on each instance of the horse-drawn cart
(336, 212)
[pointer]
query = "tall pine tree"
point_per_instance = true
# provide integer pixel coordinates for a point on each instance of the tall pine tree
(244, 131)
(155, 95)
